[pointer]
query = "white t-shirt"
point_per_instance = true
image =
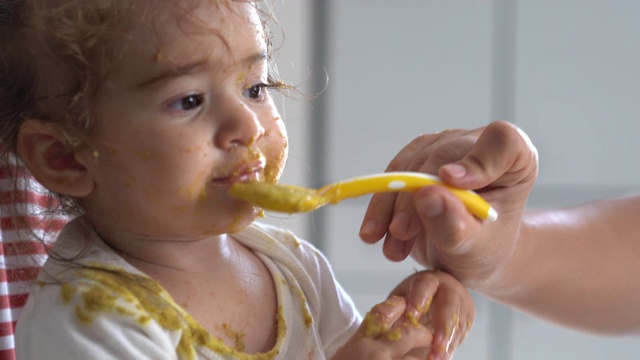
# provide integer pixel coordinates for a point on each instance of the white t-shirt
(100, 307)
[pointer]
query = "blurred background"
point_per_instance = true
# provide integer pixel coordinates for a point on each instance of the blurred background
(566, 71)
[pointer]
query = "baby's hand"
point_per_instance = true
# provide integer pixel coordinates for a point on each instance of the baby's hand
(387, 332)
(427, 316)
(439, 302)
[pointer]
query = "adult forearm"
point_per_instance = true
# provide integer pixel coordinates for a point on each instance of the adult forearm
(579, 267)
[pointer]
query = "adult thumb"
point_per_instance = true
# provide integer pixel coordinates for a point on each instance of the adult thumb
(445, 219)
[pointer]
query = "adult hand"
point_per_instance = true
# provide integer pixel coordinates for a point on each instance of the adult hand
(497, 161)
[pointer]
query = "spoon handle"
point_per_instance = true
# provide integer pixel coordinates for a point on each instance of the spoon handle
(404, 181)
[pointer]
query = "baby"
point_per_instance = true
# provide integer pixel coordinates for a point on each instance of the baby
(139, 115)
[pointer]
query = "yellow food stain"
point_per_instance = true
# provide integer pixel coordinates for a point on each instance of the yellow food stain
(393, 335)
(241, 77)
(83, 316)
(425, 307)
(293, 240)
(67, 291)
(195, 189)
(189, 149)
(308, 319)
(112, 290)
(414, 317)
(236, 224)
(236, 336)
(451, 325)
(373, 325)
(97, 298)
(273, 172)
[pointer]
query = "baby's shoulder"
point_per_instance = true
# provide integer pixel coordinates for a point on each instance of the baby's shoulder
(95, 292)
(86, 304)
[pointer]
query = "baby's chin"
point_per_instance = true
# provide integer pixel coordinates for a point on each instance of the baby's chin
(243, 218)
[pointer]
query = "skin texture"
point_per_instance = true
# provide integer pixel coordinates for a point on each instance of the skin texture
(576, 266)
(182, 115)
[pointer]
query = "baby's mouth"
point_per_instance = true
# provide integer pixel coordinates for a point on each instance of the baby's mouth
(248, 166)
(247, 173)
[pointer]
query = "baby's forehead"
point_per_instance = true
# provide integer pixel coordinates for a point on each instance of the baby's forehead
(193, 21)
(90, 18)
(167, 35)
(95, 38)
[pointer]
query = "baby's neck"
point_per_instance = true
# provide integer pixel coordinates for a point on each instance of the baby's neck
(192, 255)
(214, 273)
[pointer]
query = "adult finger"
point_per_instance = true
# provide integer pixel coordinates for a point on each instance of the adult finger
(394, 213)
(502, 156)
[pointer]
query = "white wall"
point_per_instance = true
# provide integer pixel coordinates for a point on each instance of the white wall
(566, 71)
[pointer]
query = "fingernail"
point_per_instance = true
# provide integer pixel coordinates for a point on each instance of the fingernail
(431, 205)
(394, 249)
(368, 228)
(395, 300)
(456, 170)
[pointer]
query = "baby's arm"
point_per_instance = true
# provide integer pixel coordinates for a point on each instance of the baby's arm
(427, 314)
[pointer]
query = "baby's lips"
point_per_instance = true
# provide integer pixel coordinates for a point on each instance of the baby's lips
(245, 173)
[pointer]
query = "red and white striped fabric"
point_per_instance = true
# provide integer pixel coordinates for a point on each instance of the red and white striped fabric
(22, 249)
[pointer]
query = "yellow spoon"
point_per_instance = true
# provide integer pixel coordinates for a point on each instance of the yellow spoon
(293, 199)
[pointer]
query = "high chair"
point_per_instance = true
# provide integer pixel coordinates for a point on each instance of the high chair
(25, 235)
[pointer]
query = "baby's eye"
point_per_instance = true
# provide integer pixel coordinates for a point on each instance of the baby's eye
(187, 103)
(255, 92)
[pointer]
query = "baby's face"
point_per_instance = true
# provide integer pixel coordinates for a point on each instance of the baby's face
(183, 115)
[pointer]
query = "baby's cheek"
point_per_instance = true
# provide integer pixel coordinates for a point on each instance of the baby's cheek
(194, 189)
(277, 157)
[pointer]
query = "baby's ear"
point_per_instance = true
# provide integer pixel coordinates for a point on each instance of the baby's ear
(46, 152)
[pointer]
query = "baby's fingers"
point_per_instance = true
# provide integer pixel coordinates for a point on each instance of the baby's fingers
(379, 320)
(419, 293)
(437, 301)
(451, 318)
(387, 324)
